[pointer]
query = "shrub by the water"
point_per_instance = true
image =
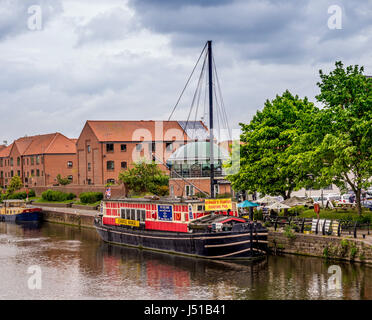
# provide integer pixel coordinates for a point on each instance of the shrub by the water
(90, 197)
(21, 195)
(52, 195)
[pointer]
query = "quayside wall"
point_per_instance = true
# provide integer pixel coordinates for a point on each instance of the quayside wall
(329, 247)
(57, 215)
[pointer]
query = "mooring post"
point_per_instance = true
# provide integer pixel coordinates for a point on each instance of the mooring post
(303, 225)
(355, 229)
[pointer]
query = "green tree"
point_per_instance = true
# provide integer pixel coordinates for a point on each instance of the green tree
(275, 155)
(345, 154)
(145, 177)
(63, 181)
(14, 184)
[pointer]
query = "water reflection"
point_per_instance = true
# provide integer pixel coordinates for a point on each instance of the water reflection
(76, 264)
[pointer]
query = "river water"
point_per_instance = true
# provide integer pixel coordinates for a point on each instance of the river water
(52, 261)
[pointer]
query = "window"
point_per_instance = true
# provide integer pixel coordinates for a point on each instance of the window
(37, 172)
(88, 148)
(216, 189)
(110, 180)
(69, 164)
(18, 173)
(11, 173)
(169, 146)
(32, 172)
(123, 147)
(1, 174)
(152, 146)
(142, 215)
(37, 159)
(18, 161)
(27, 161)
(189, 190)
(139, 147)
(123, 213)
(110, 165)
(89, 166)
(11, 161)
(132, 214)
(109, 147)
(1, 162)
(70, 178)
(32, 161)
(123, 164)
(89, 181)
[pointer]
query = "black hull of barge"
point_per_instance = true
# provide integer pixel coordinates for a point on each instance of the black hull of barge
(214, 245)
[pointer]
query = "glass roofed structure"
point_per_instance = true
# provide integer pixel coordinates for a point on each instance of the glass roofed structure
(193, 160)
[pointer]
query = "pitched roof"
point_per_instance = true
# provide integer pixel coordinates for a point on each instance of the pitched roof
(53, 143)
(6, 151)
(123, 130)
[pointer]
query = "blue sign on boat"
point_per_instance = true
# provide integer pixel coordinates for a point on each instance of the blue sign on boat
(165, 212)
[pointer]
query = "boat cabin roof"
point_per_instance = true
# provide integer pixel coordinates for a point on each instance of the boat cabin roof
(156, 200)
(14, 201)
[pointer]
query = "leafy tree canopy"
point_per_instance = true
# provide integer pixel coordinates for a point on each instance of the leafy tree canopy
(14, 184)
(345, 154)
(145, 177)
(275, 155)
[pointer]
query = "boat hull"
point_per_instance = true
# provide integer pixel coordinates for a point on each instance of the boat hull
(246, 244)
(21, 217)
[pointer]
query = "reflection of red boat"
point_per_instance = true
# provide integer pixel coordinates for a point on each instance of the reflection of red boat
(180, 227)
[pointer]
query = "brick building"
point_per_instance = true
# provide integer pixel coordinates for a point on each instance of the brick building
(37, 160)
(104, 148)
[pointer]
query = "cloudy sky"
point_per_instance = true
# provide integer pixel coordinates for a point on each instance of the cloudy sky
(130, 59)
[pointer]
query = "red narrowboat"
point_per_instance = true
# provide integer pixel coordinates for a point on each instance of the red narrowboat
(181, 227)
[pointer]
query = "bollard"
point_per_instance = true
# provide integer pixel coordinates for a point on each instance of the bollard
(276, 223)
(303, 225)
(355, 230)
(316, 228)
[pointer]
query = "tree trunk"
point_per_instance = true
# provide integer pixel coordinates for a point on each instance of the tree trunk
(358, 195)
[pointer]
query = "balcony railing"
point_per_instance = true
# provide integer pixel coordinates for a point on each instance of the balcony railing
(189, 173)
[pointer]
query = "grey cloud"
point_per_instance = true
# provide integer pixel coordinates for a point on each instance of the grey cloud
(267, 31)
(14, 15)
(114, 24)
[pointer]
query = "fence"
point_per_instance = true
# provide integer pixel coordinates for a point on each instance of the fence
(320, 226)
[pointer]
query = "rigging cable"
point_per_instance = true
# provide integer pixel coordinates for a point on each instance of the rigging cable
(197, 62)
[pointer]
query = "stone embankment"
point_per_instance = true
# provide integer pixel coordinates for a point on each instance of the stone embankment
(328, 247)
(70, 216)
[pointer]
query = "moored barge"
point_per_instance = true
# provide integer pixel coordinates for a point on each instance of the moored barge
(16, 211)
(181, 227)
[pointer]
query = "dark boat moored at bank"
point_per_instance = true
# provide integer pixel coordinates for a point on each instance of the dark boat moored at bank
(208, 228)
(16, 211)
(172, 226)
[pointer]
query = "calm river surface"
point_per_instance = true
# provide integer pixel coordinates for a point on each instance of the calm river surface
(76, 264)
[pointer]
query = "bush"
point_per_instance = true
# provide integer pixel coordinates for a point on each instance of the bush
(90, 197)
(21, 195)
(52, 195)
(162, 191)
(63, 181)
